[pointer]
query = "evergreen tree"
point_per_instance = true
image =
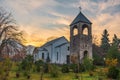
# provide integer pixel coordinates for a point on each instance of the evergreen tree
(105, 41)
(115, 40)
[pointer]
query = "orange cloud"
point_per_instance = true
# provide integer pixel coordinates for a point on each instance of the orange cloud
(38, 36)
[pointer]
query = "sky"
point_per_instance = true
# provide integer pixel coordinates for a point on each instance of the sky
(43, 20)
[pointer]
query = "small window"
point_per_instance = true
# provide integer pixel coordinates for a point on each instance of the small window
(57, 56)
(68, 48)
(42, 55)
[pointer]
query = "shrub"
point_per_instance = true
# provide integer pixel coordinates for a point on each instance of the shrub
(25, 73)
(74, 68)
(65, 68)
(111, 62)
(82, 68)
(28, 76)
(88, 64)
(91, 73)
(54, 71)
(113, 73)
(114, 53)
(38, 65)
(46, 68)
(17, 75)
(97, 60)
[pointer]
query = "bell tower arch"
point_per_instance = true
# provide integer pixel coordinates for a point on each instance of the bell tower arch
(81, 37)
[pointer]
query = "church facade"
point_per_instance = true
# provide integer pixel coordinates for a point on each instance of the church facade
(56, 50)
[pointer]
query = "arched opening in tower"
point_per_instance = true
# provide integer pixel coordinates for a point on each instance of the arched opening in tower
(75, 31)
(85, 29)
(85, 54)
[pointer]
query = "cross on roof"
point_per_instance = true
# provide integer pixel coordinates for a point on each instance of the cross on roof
(80, 8)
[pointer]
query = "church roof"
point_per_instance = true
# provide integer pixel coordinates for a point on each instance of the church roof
(80, 18)
(52, 41)
(61, 44)
(43, 49)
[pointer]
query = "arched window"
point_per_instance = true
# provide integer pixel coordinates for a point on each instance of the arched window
(85, 54)
(85, 29)
(75, 30)
(42, 55)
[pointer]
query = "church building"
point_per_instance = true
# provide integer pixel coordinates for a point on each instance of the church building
(61, 51)
(57, 51)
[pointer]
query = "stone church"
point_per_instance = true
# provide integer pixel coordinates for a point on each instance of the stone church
(60, 50)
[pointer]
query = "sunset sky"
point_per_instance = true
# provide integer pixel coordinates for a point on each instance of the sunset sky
(45, 19)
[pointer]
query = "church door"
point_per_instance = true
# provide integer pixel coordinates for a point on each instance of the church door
(68, 59)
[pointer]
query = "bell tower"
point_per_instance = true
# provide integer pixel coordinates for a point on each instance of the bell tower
(80, 38)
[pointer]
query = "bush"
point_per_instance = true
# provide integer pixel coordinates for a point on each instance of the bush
(82, 68)
(113, 53)
(54, 71)
(38, 65)
(46, 68)
(91, 73)
(113, 73)
(17, 75)
(25, 73)
(65, 68)
(111, 62)
(88, 64)
(74, 68)
(97, 60)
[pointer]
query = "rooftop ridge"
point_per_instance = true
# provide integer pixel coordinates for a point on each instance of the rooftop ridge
(80, 18)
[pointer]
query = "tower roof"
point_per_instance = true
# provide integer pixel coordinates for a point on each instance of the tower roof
(80, 18)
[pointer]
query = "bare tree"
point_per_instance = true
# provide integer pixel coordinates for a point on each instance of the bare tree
(8, 29)
(95, 40)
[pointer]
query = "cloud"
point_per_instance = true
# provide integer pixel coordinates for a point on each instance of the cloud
(39, 18)
(106, 21)
(38, 36)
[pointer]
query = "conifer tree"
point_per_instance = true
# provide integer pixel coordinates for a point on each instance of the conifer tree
(105, 41)
(115, 40)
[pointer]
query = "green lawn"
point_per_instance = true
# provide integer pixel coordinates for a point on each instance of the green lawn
(64, 76)
(47, 76)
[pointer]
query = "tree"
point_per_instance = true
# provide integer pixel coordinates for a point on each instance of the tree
(113, 53)
(95, 40)
(115, 40)
(5, 67)
(8, 30)
(105, 41)
(98, 55)
(26, 65)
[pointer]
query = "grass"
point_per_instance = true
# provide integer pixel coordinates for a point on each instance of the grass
(47, 76)
(62, 76)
